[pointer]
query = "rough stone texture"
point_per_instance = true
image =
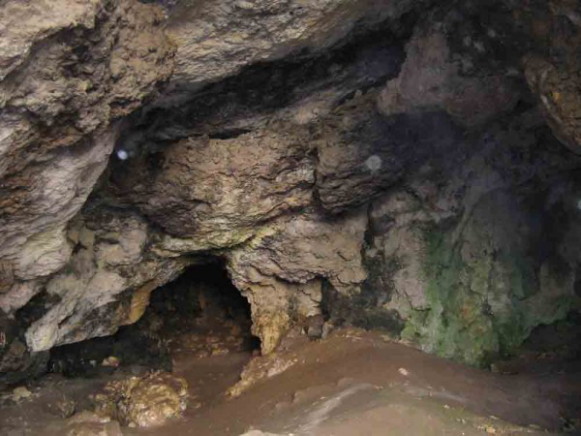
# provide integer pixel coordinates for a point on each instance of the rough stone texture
(279, 271)
(552, 67)
(249, 194)
(474, 261)
(247, 32)
(261, 368)
(148, 401)
(335, 173)
(90, 424)
(361, 153)
(214, 190)
(18, 37)
(431, 79)
(68, 69)
(89, 298)
(559, 90)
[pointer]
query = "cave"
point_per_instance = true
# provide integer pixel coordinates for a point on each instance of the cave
(200, 311)
(274, 217)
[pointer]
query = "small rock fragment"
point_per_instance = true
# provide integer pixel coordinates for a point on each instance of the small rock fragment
(87, 423)
(111, 361)
(403, 372)
(63, 407)
(315, 326)
(20, 393)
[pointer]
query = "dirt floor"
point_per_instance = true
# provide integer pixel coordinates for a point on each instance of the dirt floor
(352, 383)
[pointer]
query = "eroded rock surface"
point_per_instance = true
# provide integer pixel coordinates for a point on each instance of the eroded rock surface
(68, 71)
(90, 424)
(382, 164)
(247, 32)
(148, 401)
(433, 79)
(472, 266)
(110, 258)
(552, 69)
(281, 271)
(213, 190)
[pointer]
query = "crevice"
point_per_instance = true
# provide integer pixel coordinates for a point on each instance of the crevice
(229, 134)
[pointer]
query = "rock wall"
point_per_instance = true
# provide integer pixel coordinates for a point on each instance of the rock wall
(473, 258)
(388, 164)
(69, 72)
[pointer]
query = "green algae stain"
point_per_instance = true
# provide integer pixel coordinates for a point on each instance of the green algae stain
(479, 308)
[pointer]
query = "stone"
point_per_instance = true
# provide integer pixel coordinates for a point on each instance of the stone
(20, 393)
(403, 372)
(315, 326)
(385, 163)
(557, 89)
(431, 79)
(58, 115)
(111, 361)
(148, 401)
(87, 423)
(260, 368)
(63, 407)
(282, 269)
(107, 264)
(362, 152)
(215, 192)
(553, 73)
(462, 257)
(249, 32)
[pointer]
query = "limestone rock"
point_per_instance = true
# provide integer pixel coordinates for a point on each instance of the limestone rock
(291, 144)
(67, 71)
(259, 369)
(148, 401)
(110, 259)
(463, 264)
(246, 32)
(280, 270)
(552, 67)
(362, 153)
(90, 424)
(63, 407)
(315, 327)
(20, 393)
(303, 248)
(432, 79)
(558, 89)
(218, 191)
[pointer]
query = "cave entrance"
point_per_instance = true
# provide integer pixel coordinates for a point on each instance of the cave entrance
(200, 314)
(202, 311)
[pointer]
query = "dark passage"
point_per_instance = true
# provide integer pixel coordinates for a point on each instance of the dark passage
(201, 312)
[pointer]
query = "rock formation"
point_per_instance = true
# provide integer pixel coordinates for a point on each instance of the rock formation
(148, 401)
(408, 165)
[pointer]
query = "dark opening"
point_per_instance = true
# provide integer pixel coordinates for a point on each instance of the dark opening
(577, 284)
(550, 349)
(201, 312)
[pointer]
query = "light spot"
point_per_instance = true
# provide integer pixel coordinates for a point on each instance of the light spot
(579, 204)
(122, 154)
(373, 163)
(479, 46)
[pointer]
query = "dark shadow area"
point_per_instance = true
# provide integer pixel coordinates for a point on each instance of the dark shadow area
(365, 59)
(550, 349)
(201, 312)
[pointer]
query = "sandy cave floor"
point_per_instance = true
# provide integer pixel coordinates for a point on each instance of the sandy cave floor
(352, 383)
